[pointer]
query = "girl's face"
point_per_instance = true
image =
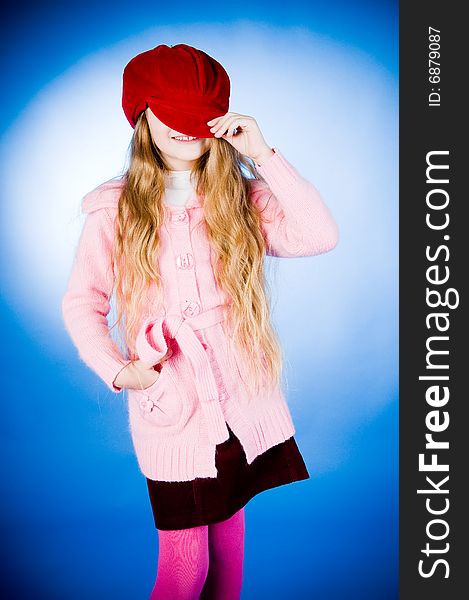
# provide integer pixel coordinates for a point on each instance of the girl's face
(180, 155)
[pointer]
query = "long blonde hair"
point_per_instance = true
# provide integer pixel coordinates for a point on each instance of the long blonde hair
(233, 228)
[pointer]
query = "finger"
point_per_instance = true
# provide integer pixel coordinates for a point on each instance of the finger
(239, 123)
(225, 125)
(216, 120)
(222, 124)
(213, 121)
(219, 127)
(234, 127)
(224, 129)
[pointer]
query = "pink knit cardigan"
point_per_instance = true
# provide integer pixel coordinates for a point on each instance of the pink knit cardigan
(177, 422)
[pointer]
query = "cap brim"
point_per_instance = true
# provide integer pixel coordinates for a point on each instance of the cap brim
(193, 124)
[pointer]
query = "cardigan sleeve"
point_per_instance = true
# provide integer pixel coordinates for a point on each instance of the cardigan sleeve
(295, 220)
(85, 304)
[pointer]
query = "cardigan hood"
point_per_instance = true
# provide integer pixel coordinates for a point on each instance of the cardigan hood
(177, 422)
(105, 195)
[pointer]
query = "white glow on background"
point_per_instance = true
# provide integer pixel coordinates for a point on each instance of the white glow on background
(329, 108)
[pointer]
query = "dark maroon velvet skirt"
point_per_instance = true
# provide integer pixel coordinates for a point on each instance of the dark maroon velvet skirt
(184, 504)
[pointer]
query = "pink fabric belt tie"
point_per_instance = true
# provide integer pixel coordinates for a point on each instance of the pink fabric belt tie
(151, 346)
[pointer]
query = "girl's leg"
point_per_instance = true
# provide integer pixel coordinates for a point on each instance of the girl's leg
(226, 550)
(182, 564)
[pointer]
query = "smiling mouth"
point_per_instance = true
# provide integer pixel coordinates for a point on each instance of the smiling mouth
(185, 139)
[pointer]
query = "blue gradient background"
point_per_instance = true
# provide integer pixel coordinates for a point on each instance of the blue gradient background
(76, 519)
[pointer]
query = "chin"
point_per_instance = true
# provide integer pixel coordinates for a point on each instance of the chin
(189, 153)
(194, 150)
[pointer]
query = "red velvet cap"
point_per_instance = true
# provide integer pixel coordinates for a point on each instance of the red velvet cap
(183, 86)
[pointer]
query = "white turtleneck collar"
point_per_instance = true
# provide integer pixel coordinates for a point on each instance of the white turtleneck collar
(178, 187)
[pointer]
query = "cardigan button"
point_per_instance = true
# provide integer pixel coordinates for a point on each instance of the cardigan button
(179, 217)
(185, 261)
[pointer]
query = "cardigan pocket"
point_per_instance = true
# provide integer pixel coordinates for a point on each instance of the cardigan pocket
(164, 404)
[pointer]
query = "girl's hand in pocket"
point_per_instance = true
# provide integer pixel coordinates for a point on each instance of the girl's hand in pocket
(136, 375)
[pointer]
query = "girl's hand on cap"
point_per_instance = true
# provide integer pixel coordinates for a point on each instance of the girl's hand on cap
(243, 133)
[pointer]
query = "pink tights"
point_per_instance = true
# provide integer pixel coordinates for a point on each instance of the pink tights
(201, 563)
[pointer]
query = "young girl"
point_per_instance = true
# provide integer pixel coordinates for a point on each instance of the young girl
(181, 238)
